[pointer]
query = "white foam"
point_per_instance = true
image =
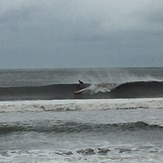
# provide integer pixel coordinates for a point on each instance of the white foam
(95, 88)
(91, 104)
(51, 156)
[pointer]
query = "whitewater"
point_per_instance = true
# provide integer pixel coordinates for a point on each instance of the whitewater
(74, 105)
(117, 119)
(118, 130)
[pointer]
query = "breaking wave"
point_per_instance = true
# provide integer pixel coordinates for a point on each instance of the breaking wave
(82, 105)
(137, 89)
(48, 126)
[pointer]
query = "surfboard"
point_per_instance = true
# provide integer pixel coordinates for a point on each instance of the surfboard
(80, 91)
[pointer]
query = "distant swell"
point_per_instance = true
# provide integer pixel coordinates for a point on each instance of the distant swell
(77, 127)
(138, 89)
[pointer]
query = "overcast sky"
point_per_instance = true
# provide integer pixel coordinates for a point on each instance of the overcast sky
(81, 33)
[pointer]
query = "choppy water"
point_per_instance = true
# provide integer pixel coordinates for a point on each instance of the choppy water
(123, 135)
(81, 130)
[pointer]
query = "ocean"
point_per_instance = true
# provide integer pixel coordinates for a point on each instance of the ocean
(116, 118)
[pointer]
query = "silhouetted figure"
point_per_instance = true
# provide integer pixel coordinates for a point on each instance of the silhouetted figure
(81, 84)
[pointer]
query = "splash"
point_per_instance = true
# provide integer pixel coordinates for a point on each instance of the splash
(99, 88)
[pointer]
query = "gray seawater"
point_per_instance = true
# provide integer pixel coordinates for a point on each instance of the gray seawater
(119, 134)
(128, 135)
(39, 77)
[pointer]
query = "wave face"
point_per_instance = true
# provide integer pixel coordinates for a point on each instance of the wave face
(57, 91)
(137, 89)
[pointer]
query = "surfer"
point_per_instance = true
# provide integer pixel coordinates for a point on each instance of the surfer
(81, 84)
(81, 88)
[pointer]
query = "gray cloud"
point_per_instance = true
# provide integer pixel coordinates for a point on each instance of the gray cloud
(83, 33)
